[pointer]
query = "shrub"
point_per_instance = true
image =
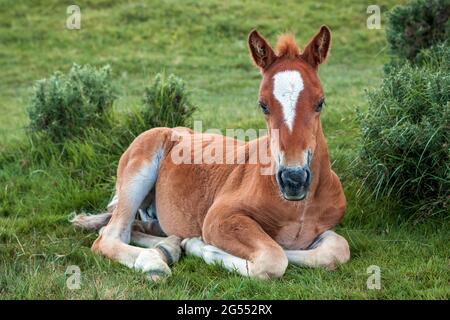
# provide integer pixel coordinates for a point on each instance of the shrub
(417, 25)
(64, 105)
(405, 133)
(166, 104)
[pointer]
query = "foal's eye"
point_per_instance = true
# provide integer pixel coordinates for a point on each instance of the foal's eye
(264, 107)
(320, 104)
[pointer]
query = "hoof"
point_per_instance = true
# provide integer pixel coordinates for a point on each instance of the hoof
(171, 249)
(156, 276)
(331, 267)
(150, 262)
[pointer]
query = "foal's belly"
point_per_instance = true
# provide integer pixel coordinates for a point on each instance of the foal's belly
(181, 200)
(177, 213)
(185, 192)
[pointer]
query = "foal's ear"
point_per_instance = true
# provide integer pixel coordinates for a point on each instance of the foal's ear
(317, 49)
(261, 52)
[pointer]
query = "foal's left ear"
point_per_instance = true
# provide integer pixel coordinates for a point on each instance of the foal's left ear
(316, 51)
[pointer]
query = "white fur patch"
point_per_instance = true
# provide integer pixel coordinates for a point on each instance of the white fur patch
(307, 155)
(150, 261)
(144, 180)
(287, 86)
(113, 203)
(212, 255)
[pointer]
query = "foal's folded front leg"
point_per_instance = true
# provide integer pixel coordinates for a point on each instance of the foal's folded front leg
(327, 251)
(238, 243)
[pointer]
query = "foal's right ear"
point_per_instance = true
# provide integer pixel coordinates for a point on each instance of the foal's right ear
(261, 52)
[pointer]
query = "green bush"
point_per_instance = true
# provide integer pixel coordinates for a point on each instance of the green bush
(417, 25)
(405, 133)
(64, 105)
(166, 104)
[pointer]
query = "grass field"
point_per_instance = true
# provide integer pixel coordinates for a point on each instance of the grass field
(205, 44)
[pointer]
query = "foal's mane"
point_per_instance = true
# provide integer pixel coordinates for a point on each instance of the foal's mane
(287, 46)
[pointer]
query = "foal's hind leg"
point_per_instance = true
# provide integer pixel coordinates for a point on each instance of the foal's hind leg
(327, 251)
(170, 246)
(137, 178)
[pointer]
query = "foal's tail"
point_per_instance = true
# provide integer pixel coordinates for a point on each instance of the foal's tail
(94, 222)
(91, 222)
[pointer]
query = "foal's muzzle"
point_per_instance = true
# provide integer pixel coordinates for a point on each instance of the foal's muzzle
(294, 182)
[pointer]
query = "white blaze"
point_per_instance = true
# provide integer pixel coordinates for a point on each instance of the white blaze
(287, 86)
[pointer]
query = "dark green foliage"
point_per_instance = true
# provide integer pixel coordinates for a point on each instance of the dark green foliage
(405, 145)
(78, 105)
(165, 104)
(64, 105)
(417, 25)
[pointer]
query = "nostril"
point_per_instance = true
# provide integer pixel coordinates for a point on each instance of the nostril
(280, 177)
(308, 175)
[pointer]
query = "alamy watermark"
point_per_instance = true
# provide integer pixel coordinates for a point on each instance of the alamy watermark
(73, 21)
(73, 281)
(374, 280)
(374, 20)
(211, 147)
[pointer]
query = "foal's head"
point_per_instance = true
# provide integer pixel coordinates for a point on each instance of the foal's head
(291, 98)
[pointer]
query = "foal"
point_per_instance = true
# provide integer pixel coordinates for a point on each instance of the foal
(232, 214)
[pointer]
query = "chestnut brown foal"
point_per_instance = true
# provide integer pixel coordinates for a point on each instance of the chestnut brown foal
(233, 214)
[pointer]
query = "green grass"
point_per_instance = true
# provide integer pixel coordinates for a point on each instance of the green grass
(205, 44)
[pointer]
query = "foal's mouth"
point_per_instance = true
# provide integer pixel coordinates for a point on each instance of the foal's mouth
(296, 197)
